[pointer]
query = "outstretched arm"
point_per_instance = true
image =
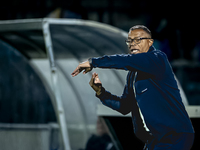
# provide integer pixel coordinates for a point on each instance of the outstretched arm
(152, 63)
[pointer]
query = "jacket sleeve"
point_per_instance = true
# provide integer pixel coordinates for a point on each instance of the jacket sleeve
(121, 104)
(150, 62)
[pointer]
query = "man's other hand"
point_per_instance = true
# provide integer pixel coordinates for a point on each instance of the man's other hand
(95, 83)
(84, 66)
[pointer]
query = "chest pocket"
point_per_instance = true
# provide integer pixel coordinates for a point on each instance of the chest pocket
(141, 87)
(142, 91)
(142, 83)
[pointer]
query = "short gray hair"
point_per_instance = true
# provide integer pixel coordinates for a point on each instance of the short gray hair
(141, 27)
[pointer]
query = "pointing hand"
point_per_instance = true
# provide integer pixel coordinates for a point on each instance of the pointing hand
(84, 66)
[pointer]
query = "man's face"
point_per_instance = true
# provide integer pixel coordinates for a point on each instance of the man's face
(144, 44)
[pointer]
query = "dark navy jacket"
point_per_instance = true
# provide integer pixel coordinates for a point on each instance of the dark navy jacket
(156, 92)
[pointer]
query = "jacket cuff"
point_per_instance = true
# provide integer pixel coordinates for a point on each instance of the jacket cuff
(90, 61)
(103, 91)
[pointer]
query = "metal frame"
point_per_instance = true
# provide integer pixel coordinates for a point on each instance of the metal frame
(36, 24)
(23, 24)
(58, 101)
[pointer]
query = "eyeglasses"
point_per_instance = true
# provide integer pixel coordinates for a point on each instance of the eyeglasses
(135, 40)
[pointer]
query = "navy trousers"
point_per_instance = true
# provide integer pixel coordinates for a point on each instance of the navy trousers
(172, 141)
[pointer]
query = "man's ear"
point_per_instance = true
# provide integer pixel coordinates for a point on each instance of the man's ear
(151, 42)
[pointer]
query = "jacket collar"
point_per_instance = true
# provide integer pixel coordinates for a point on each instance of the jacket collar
(151, 49)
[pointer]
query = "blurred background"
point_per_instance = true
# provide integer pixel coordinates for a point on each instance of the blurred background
(173, 24)
(32, 83)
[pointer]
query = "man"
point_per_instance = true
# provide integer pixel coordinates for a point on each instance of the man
(151, 93)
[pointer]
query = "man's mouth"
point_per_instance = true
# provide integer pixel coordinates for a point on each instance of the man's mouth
(134, 50)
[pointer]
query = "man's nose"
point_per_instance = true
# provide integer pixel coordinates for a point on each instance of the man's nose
(132, 44)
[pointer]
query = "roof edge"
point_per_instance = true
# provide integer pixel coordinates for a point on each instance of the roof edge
(37, 24)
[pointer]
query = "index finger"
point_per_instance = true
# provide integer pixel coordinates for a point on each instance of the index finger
(76, 72)
(92, 79)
